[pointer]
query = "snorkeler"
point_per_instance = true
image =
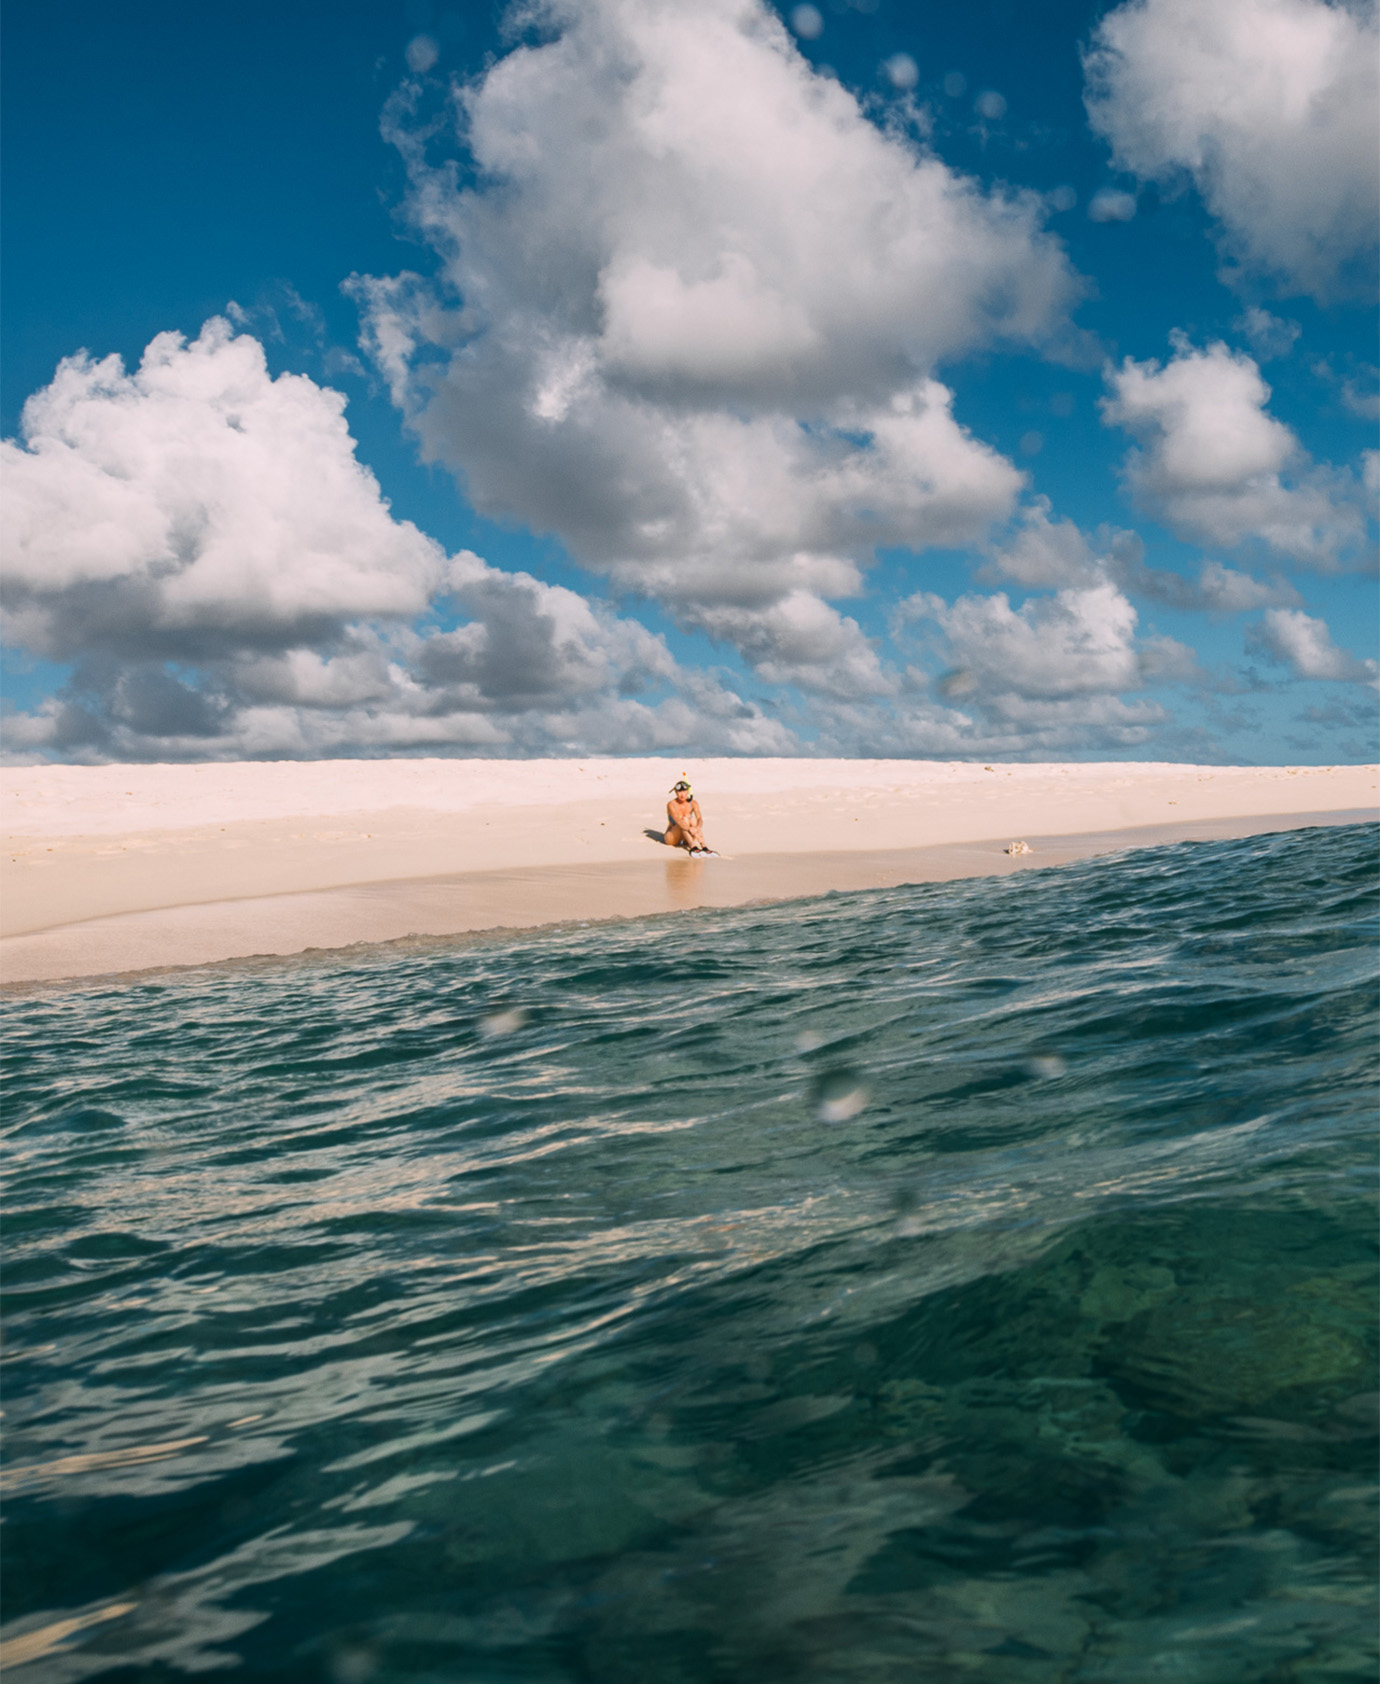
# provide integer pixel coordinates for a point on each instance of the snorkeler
(685, 826)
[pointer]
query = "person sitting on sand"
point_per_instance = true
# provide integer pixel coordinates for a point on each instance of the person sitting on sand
(685, 828)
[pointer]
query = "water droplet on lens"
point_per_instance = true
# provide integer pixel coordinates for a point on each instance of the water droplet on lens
(839, 1095)
(1364, 1409)
(353, 1665)
(422, 52)
(503, 1023)
(1110, 204)
(901, 71)
(808, 1041)
(908, 1223)
(1045, 1066)
(957, 682)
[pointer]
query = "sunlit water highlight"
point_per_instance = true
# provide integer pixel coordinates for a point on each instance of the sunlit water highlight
(966, 1282)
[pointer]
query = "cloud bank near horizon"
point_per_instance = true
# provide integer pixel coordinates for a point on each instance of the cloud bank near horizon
(201, 540)
(237, 586)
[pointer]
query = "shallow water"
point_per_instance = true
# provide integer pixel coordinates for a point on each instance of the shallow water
(965, 1282)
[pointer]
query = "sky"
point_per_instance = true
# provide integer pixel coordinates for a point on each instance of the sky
(960, 380)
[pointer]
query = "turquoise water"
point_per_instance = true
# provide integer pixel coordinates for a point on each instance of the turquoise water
(964, 1282)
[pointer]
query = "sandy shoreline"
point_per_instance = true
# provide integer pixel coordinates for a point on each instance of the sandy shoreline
(118, 868)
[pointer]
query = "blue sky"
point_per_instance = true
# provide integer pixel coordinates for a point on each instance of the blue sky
(961, 380)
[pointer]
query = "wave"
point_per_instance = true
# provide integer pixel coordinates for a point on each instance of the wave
(966, 1280)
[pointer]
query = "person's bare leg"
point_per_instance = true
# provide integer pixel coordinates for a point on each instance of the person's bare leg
(675, 837)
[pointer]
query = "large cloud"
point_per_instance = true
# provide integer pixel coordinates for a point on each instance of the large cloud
(199, 540)
(196, 506)
(690, 309)
(1270, 107)
(1217, 467)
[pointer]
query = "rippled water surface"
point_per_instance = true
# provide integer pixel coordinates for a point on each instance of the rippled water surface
(965, 1282)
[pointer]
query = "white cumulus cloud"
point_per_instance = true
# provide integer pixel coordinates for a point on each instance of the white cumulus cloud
(1268, 336)
(1223, 590)
(1051, 674)
(1074, 642)
(1044, 553)
(1303, 643)
(200, 542)
(1217, 467)
(1270, 107)
(690, 308)
(802, 640)
(196, 504)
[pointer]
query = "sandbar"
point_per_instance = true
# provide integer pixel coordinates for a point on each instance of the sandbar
(119, 869)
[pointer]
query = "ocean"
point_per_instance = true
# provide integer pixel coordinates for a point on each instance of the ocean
(964, 1282)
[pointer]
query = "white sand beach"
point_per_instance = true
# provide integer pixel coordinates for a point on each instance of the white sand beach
(113, 869)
